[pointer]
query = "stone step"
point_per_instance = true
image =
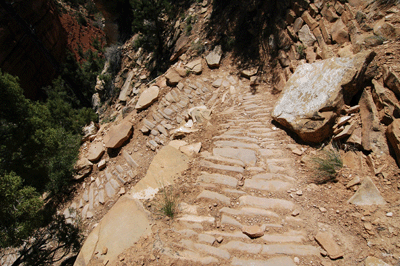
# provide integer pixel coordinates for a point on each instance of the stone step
(239, 246)
(187, 255)
(266, 203)
(222, 167)
(245, 155)
(271, 152)
(226, 136)
(217, 179)
(196, 218)
(269, 176)
(249, 212)
(224, 160)
(211, 195)
(266, 185)
(278, 261)
(290, 236)
(228, 220)
(217, 252)
(291, 249)
(235, 144)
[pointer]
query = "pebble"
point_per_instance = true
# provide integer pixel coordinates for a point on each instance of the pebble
(389, 214)
(322, 209)
(295, 213)
(296, 260)
(219, 239)
(299, 192)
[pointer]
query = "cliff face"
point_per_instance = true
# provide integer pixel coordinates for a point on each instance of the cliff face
(32, 42)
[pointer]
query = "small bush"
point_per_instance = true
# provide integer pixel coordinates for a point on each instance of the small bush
(198, 47)
(82, 20)
(327, 166)
(301, 50)
(168, 202)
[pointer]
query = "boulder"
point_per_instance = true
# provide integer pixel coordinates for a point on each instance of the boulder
(214, 58)
(173, 77)
(126, 88)
(393, 136)
(306, 36)
(195, 66)
(329, 13)
(96, 150)
(248, 73)
(339, 32)
(118, 135)
(298, 23)
(385, 29)
(147, 97)
(182, 44)
(392, 81)
(386, 102)
(308, 19)
(372, 135)
(83, 168)
(324, 31)
(316, 92)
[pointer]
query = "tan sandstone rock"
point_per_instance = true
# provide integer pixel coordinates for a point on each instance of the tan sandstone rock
(96, 150)
(118, 135)
(148, 97)
(316, 92)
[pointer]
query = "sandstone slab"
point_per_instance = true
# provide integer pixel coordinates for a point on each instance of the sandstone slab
(126, 88)
(315, 92)
(147, 97)
(367, 194)
(118, 135)
(173, 77)
(96, 150)
(245, 155)
(83, 167)
(118, 230)
(191, 149)
(372, 261)
(168, 163)
(306, 36)
(327, 242)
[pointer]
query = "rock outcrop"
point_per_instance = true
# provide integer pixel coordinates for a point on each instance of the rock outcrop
(315, 92)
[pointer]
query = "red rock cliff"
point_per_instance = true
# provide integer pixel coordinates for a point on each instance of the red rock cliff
(32, 42)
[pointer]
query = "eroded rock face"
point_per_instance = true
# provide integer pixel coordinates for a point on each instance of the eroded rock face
(315, 92)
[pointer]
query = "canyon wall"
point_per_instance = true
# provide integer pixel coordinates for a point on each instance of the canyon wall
(33, 42)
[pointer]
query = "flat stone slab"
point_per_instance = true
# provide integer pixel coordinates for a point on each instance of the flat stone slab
(327, 242)
(291, 236)
(96, 150)
(249, 212)
(227, 220)
(240, 246)
(118, 135)
(166, 165)
(197, 219)
(267, 185)
(222, 167)
(253, 231)
(218, 179)
(291, 249)
(367, 194)
(147, 97)
(372, 261)
(211, 195)
(266, 203)
(247, 156)
(278, 261)
(236, 144)
(118, 230)
(217, 252)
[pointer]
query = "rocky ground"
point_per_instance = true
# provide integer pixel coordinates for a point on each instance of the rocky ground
(246, 187)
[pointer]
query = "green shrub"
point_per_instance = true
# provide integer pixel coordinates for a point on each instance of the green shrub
(327, 165)
(168, 204)
(301, 50)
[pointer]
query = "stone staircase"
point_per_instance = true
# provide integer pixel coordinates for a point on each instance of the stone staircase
(244, 181)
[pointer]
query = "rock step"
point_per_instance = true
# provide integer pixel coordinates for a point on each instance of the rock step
(196, 218)
(187, 255)
(272, 249)
(278, 261)
(266, 185)
(266, 203)
(223, 160)
(271, 152)
(226, 136)
(269, 176)
(222, 167)
(235, 144)
(218, 179)
(247, 211)
(211, 195)
(214, 251)
(247, 156)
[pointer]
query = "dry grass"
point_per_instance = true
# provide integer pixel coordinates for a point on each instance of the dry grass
(327, 166)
